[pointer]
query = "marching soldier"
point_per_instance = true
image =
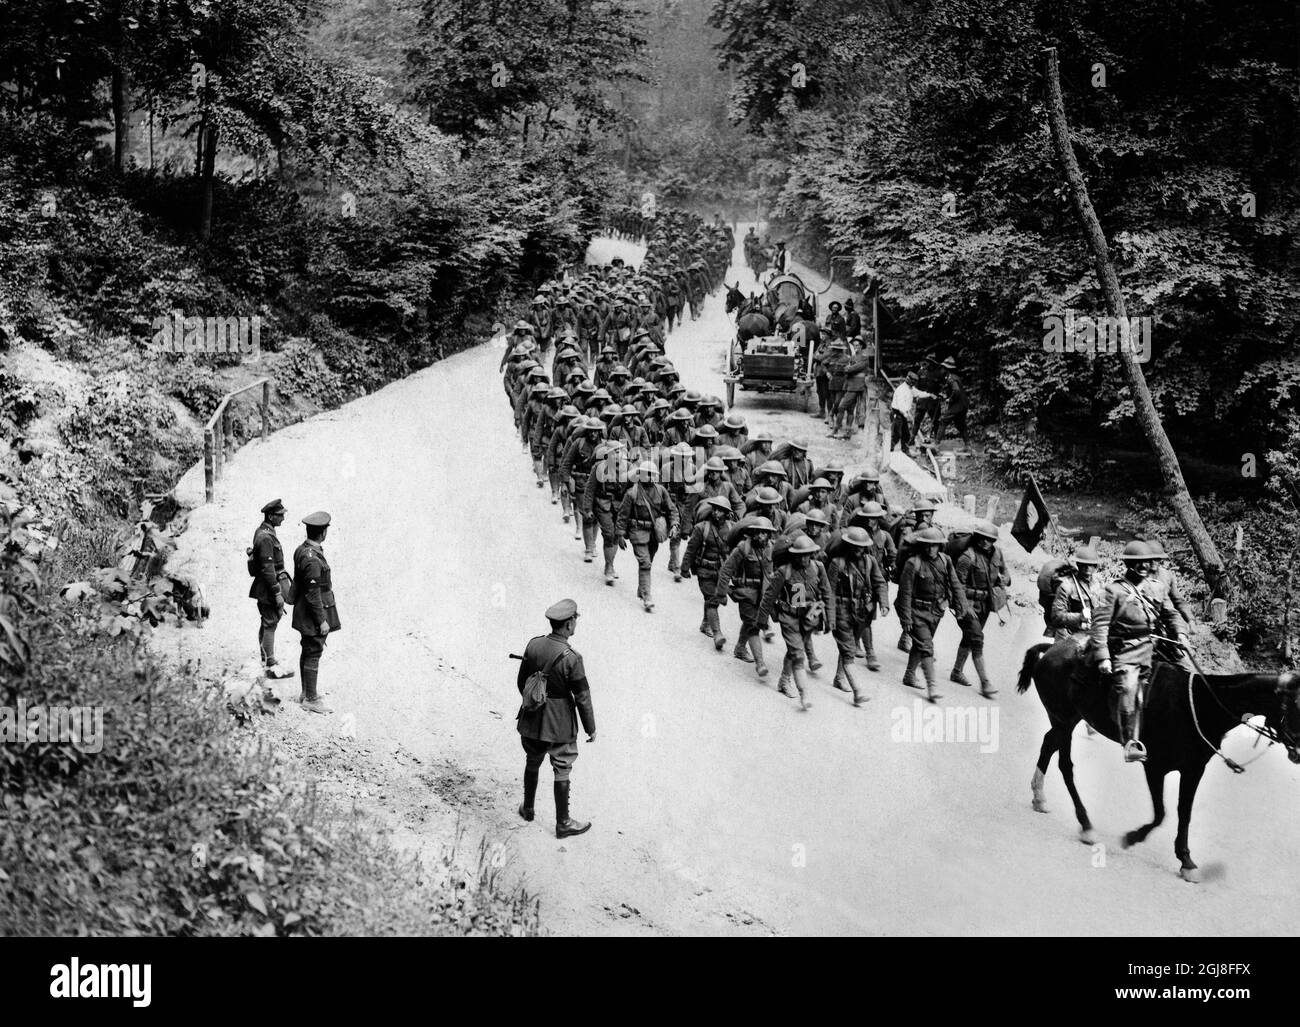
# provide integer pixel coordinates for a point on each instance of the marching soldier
(744, 577)
(604, 367)
(734, 431)
(798, 468)
(575, 466)
(679, 473)
(757, 450)
(552, 731)
(929, 585)
(773, 476)
(983, 574)
(314, 612)
(603, 496)
(860, 591)
(819, 500)
(1123, 624)
(855, 393)
(800, 600)
(1075, 597)
(837, 361)
(706, 550)
(737, 468)
(766, 502)
(266, 564)
(647, 516)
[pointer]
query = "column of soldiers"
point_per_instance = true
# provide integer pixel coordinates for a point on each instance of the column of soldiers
(634, 455)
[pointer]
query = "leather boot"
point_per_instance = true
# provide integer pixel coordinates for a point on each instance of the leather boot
(1134, 751)
(802, 686)
(756, 650)
(588, 542)
(741, 652)
(674, 559)
(784, 682)
(909, 675)
(986, 687)
(564, 825)
(715, 626)
(814, 664)
(957, 675)
(530, 794)
(927, 666)
(869, 649)
(860, 697)
(841, 681)
(609, 564)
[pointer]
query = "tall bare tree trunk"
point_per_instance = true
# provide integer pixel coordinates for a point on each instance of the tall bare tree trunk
(209, 170)
(1207, 554)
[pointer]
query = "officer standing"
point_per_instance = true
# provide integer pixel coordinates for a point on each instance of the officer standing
(266, 564)
(314, 613)
(552, 731)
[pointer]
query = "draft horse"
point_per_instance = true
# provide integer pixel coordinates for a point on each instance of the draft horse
(1183, 725)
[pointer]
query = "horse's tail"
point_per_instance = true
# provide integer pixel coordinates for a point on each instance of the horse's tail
(1027, 669)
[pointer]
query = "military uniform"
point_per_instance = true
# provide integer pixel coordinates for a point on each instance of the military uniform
(706, 550)
(926, 589)
(861, 591)
(314, 613)
(744, 577)
(800, 600)
(643, 503)
(266, 561)
(1073, 602)
(601, 500)
(579, 456)
(551, 732)
(984, 580)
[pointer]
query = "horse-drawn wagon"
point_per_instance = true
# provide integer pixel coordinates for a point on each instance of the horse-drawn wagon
(774, 360)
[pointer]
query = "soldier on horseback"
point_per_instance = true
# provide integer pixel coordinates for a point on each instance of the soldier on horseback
(1123, 628)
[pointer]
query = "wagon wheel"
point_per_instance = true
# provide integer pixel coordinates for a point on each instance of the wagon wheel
(731, 395)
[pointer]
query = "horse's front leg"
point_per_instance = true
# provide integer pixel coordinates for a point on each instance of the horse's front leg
(1065, 761)
(1156, 786)
(1189, 780)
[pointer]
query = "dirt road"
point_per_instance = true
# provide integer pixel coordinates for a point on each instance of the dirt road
(717, 805)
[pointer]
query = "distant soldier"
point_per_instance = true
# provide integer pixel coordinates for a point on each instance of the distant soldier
(800, 600)
(983, 574)
(314, 612)
(929, 585)
(855, 392)
(706, 550)
(861, 593)
(552, 731)
(835, 323)
(564, 419)
(744, 577)
(852, 321)
(266, 565)
(928, 401)
(836, 362)
(1123, 625)
(647, 517)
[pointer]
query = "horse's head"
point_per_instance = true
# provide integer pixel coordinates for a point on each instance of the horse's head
(1284, 720)
(734, 297)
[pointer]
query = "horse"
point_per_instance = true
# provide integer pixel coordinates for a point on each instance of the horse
(1186, 716)
(735, 298)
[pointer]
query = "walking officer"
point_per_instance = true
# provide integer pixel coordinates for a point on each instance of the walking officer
(551, 732)
(929, 585)
(266, 565)
(983, 575)
(314, 613)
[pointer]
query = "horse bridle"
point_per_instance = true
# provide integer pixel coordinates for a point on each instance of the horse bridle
(1273, 735)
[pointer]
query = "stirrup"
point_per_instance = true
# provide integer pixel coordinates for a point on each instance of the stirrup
(1134, 751)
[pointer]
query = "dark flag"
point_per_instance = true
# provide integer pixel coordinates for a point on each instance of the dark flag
(1032, 518)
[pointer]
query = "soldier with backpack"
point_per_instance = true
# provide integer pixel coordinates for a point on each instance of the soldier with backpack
(744, 577)
(1073, 597)
(553, 684)
(860, 591)
(800, 600)
(606, 485)
(983, 574)
(927, 587)
(705, 552)
(647, 517)
(920, 517)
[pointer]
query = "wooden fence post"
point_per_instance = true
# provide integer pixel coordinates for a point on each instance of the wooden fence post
(209, 465)
(266, 409)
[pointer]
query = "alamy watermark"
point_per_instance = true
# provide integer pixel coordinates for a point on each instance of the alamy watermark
(83, 726)
(1082, 333)
(962, 724)
(173, 332)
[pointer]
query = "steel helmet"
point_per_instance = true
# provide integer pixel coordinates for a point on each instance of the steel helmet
(771, 467)
(728, 453)
(714, 463)
(872, 509)
(1087, 555)
(539, 387)
(575, 374)
(538, 372)
(987, 529)
(820, 483)
(760, 524)
(929, 537)
(857, 537)
(680, 414)
(638, 381)
(767, 496)
(557, 393)
(706, 431)
(612, 410)
(647, 471)
(630, 411)
(660, 404)
(803, 546)
(595, 424)
(1136, 551)
(834, 467)
(717, 503)
(620, 371)
(523, 326)
(682, 449)
(601, 395)
(924, 506)
(1157, 550)
(815, 516)
(762, 435)
(586, 385)
(734, 421)
(799, 444)
(568, 410)
(692, 397)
